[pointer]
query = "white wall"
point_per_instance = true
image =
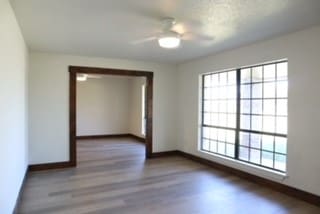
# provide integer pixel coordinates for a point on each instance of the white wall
(49, 97)
(103, 105)
(303, 52)
(13, 140)
(136, 106)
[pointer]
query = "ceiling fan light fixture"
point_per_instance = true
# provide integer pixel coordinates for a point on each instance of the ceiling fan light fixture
(82, 77)
(169, 40)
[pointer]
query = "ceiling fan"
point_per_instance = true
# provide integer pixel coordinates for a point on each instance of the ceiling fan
(169, 37)
(84, 77)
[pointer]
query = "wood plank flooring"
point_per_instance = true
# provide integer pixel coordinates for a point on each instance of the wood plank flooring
(112, 176)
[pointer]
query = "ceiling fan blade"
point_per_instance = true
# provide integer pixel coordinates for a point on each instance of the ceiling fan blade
(144, 40)
(195, 36)
(158, 15)
(147, 11)
(191, 24)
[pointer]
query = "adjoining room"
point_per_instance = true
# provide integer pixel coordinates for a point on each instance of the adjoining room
(110, 115)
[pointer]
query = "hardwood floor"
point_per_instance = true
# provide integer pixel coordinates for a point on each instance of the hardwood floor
(113, 177)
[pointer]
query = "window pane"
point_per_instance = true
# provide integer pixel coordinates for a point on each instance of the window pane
(207, 81)
(282, 89)
(207, 93)
(230, 136)
(256, 106)
(281, 145)
(223, 106)
(223, 92)
(206, 118)
(280, 162)
(282, 125)
(231, 121)
(245, 91)
(255, 156)
(256, 123)
(223, 120)
(245, 122)
(244, 153)
(269, 90)
(255, 141)
(245, 107)
(269, 72)
(282, 107)
(267, 142)
(205, 145)
(267, 159)
(282, 71)
(213, 146)
(269, 106)
(269, 124)
(221, 148)
(221, 135)
(244, 138)
(205, 132)
(223, 78)
(215, 79)
(257, 90)
(215, 93)
(232, 78)
(232, 92)
(257, 74)
(214, 119)
(245, 75)
(232, 107)
(207, 106)
(230, 150)
(213, 133)
(214, 106)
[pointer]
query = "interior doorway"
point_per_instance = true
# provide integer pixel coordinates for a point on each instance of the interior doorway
(146, 90)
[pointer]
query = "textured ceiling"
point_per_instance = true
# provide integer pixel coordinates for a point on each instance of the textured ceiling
(111, 28)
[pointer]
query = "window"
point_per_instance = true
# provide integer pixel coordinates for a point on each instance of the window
(244, 114)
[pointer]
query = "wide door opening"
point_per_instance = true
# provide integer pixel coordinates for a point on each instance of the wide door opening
(110, 104)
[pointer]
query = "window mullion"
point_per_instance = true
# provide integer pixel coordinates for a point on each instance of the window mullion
(202, 109)
(237, 140)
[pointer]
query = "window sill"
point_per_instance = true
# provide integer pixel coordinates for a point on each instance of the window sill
(247, 167)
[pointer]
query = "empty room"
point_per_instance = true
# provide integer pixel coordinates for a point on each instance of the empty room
(168, 106)
(110, 118)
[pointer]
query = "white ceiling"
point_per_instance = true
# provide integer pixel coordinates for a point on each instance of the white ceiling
(110, 28)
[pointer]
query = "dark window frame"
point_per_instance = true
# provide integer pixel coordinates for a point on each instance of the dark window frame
(238, 113)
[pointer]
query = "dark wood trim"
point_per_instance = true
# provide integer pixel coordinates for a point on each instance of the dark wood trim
(72, 118)
(18, 201)
(68, 164)
(88, 137)
(47, 166)
(109, 71)
(165, 154)
(140, 139)
(74, 70)
(291, 191)
(149, 118)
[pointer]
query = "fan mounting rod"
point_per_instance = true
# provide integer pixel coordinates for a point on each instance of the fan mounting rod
(168, 23)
